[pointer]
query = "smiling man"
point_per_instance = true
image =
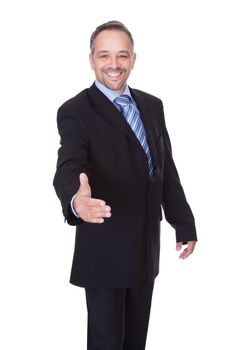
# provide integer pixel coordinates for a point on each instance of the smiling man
(114, 172)
(112, 58)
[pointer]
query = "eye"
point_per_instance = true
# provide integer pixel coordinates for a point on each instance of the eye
(103, 56)
(123, 56)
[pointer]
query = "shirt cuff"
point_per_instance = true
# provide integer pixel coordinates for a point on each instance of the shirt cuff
(72, 207)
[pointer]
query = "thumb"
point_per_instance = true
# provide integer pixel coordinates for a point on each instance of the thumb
(179, 245)
(84, 185)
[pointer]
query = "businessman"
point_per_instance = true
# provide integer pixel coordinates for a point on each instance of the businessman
(114, 172)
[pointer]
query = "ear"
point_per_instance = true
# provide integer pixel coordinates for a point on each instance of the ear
(91, 60)
(134, 59)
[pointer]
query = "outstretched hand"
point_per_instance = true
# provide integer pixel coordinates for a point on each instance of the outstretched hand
(90, 209)
(187, 251)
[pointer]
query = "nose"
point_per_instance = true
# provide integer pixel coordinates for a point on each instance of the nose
(113, 62)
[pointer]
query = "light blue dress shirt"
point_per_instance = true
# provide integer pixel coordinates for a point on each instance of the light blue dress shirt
(112, 94)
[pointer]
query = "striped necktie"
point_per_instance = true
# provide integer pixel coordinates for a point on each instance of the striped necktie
(132, 116)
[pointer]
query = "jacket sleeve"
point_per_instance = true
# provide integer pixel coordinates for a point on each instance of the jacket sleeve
(176, 208)
(72, 159)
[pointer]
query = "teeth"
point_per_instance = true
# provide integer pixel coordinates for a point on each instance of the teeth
(113, 74)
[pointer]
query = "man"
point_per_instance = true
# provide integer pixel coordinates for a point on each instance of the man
(114, 171)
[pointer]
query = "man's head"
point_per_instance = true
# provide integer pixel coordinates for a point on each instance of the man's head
(112, 55)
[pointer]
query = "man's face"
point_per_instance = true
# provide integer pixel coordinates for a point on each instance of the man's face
(112, 59)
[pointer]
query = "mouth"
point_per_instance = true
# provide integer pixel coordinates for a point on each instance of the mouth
(113, 75)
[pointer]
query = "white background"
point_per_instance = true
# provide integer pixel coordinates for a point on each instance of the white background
(184, 57)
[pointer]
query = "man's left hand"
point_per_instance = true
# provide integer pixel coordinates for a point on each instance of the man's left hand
(187, 251)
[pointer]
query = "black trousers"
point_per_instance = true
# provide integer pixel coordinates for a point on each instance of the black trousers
(118, 318)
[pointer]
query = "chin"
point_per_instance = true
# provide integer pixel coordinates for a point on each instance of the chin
(117, 87)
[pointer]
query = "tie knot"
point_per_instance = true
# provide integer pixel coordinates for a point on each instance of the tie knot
(123, 100)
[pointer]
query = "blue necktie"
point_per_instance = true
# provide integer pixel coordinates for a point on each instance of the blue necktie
(132, 116)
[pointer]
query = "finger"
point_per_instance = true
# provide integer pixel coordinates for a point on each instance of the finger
(88, 203)
(101, 214)
(187, 252)
(95, 221)
(191, 245)
(179, 246)
(95, 214)
(83, 179)
(93, 202)
(84, 185)
(95, 218)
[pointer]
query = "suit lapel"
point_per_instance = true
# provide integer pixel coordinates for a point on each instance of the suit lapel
(108, 111)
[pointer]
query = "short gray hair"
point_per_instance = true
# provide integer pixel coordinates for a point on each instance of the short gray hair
(111, 25)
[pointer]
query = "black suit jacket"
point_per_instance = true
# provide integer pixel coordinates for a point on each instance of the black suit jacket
(95, 139)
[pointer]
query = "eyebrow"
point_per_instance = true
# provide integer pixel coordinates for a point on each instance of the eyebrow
(106, 51)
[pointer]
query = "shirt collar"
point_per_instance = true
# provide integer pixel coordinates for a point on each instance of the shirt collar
(111, 94)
